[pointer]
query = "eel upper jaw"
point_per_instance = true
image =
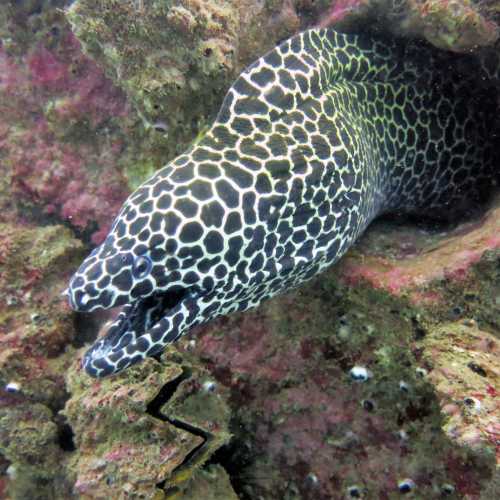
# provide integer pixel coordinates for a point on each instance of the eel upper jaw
(120, 346)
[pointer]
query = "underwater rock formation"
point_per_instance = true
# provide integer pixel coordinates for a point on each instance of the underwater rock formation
(145, 432)
(379, 378)
(65, 130)
(457, 25)
(176, 60)
(36, 337)
(170, 418)
(409, 259)
(466, 376)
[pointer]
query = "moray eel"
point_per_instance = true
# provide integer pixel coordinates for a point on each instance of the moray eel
(312, 142)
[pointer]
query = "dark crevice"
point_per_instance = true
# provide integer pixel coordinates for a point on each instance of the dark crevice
(194, 452)
(190, 457)
(154, 409)
(419, 331)
(65, 437)
(236, 458)
(165, 394)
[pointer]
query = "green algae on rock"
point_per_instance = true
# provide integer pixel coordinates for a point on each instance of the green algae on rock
(175, 60)
(35, 326)
(466, 375)
(29, 439)
(162, 54)
(209, 483)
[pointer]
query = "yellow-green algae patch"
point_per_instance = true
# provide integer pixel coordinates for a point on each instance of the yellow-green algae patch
(209, 483)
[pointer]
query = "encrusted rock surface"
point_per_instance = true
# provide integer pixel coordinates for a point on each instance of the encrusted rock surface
(36, 337)
(456, 25)
(175, 60)
(135, 440)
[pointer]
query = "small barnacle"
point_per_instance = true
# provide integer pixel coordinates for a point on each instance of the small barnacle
(11, 471)
(360, 373)
(160, 126)
(343, 320)
(191, 344)
(12, 387)
(35, 317)
(348, 441)
(209, 386)
(447, 489)
(403, 386)
(368, 404)
(312, 479)
(354, 491)
(406, 485)
(11, 300)
(369, 329)
(421, 372)
(403, 435)
(469, 322)
(472, 403)
(344, 332)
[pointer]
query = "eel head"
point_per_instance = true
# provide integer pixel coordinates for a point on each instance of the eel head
(154, 263)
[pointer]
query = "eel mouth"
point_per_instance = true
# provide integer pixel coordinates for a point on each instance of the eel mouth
(141, 329)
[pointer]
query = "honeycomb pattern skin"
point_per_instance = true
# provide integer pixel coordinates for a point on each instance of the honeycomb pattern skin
(312, 142)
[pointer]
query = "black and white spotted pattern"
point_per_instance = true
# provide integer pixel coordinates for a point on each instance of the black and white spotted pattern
(312, 142)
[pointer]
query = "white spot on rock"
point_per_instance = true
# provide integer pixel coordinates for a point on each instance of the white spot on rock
(12, 387)
(360, 373)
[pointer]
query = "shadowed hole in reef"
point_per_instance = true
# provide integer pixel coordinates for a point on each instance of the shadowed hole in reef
(65, 437)
(165, 394)
(154, 409)
(236, 458)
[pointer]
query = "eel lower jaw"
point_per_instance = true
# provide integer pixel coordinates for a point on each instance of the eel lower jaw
(128, 339)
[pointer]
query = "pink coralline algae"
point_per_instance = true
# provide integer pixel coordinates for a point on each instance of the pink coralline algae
(338, 11)
(46, 70)
(417, 258)
(57, 111)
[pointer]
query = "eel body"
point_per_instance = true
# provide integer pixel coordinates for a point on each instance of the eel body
(312, 142)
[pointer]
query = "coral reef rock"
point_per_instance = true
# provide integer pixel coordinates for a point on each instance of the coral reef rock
(175, 60)
(71, 147)
(377, 379)
(144, 432)
(457, 25)
(36, 335)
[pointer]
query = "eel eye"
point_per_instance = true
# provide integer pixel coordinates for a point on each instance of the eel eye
(142, 266)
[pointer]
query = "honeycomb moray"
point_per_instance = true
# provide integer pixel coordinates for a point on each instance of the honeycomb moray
(312, 142)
